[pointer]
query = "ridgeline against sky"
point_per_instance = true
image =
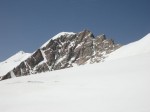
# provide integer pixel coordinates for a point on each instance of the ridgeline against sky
(27, 24)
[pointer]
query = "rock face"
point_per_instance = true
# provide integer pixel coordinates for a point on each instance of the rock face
(64, 51)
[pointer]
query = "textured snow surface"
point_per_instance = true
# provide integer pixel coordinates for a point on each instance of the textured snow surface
(121, 85)
(57, 36)
(12, 62)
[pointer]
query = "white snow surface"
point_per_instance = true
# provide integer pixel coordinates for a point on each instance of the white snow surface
(57, 36)
(139, 47)
(12, 62)
(120, 85)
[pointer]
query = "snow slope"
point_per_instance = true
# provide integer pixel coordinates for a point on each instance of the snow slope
(121, 85)
(139, 47)
(12, 62)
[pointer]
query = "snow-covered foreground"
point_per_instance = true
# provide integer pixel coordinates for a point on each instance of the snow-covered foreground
(121, 85)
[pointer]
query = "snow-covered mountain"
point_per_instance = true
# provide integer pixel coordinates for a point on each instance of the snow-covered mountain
(12, 62)
(65, 50)
(120, 84)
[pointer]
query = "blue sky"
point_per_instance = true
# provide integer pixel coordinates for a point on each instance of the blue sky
(27, 24)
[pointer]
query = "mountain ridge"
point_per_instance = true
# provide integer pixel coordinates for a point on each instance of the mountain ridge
(57, 36)
(65, 50)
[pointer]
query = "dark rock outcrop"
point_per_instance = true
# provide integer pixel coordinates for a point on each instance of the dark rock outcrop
(66, 51)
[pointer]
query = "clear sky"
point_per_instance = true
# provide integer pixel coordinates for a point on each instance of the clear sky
(27, 24)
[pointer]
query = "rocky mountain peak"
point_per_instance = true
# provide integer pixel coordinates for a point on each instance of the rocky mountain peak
(64, 50)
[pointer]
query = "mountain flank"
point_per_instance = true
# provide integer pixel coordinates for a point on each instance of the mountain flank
(65, 50)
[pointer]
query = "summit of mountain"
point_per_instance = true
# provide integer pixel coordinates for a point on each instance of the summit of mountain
(64, 50)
